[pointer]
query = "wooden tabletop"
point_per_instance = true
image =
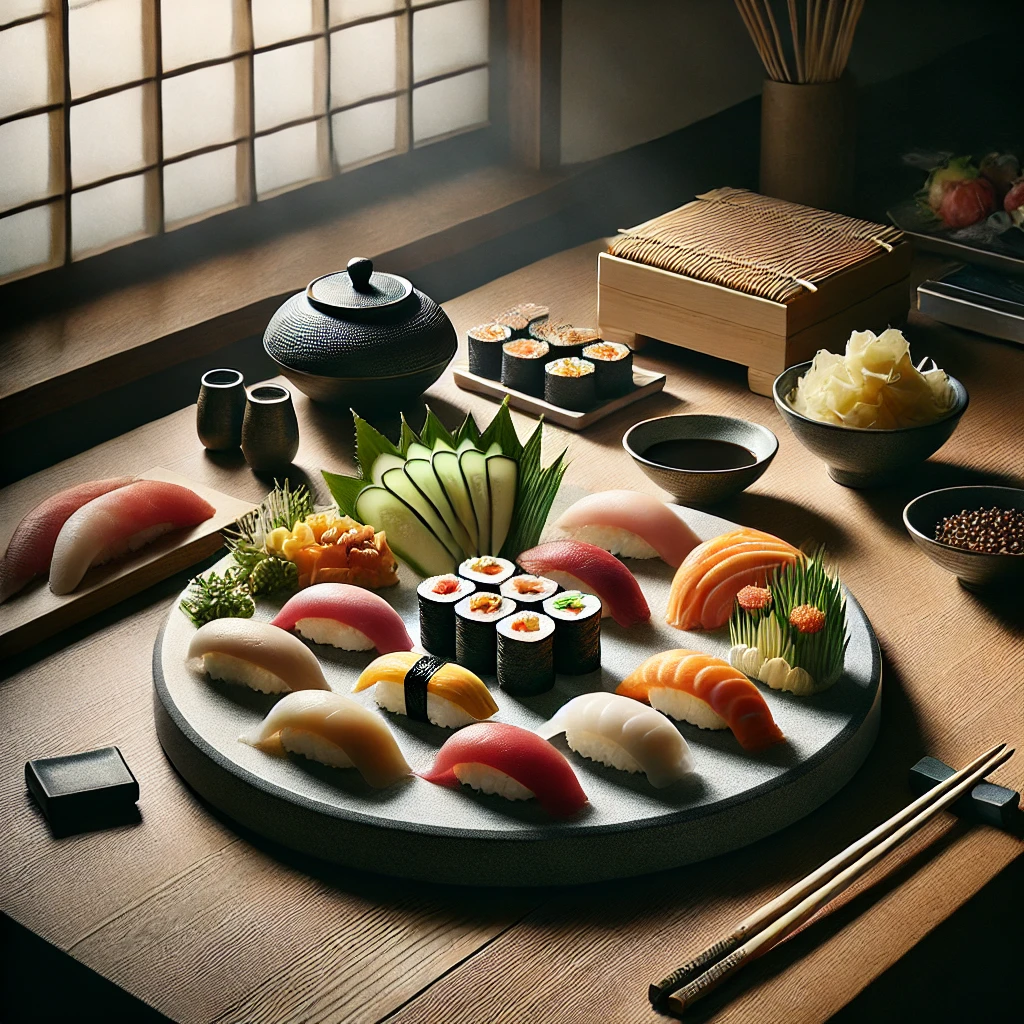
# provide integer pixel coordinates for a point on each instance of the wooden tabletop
(207, 924)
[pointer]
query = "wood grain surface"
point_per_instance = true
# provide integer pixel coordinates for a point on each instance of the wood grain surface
(210, 925)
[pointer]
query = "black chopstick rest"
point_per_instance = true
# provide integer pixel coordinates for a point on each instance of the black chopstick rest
(81, 792)
(987, 802)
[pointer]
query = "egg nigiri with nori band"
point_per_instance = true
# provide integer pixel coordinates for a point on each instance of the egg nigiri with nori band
(511, 762)
(428, 689)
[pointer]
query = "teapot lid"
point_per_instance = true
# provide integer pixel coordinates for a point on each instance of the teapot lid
(358, 291)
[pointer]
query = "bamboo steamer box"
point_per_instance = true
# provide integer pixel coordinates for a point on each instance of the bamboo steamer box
(754, 280)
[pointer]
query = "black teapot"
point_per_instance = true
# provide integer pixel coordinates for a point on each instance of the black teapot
(361, 337)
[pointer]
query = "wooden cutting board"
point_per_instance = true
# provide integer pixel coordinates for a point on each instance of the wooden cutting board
(34, 613)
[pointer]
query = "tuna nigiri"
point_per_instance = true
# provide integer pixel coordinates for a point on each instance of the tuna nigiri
(513, 763)
(623, 734)
(119, 521)
(345, 616)
(31, 547)
(704, 691)
(334, 730)
(713, 573)
(258, 655)
(590, 569)
(427, 688)
(629, 524)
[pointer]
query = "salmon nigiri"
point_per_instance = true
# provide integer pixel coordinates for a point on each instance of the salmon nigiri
(120, 521)
(30, 550)
(704, 691)
(713, 573)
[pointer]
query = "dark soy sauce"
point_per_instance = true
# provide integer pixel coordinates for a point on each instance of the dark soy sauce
(699, 453)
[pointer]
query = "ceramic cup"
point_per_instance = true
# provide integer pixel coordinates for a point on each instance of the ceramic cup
(220, 409)
(270, 431)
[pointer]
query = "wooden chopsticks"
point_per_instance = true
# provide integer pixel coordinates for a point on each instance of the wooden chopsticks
(773, 921)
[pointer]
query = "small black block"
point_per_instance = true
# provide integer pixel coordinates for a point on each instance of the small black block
(987, 802)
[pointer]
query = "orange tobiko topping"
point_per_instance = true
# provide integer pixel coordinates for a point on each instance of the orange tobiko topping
(754, 599)
(806, 618)
(484, 603)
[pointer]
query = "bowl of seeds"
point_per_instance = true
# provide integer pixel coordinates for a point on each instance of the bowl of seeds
(976, 533)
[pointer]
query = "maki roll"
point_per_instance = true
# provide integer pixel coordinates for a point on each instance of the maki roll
(522, 365)
(437, 597)
(526, 653)
(564, 339)
(485, 344)
(476, 640)
(527, 589)
(613, 367)
(569, 383)
(577, 631)
(519, 318)
(487, 571)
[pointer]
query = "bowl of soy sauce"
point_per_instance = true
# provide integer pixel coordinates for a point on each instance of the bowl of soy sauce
(698, 459)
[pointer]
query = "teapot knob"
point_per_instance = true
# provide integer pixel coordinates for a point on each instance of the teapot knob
(359, 271)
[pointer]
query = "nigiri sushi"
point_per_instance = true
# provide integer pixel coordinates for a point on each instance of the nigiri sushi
(704, 691)
(590, 569)
(345, 616)
(334, 730)
(713, 573)
(31, 547)
(623, 734)
(511, 762)
(629, 524)
(258, 655)
(427, 688)
(119, 521)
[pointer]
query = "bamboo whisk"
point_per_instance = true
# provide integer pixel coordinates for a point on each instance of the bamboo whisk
(819, 54)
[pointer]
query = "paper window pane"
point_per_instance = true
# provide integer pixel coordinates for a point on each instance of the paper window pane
(286, 84)
(201, 108)
(289, 157)
(197, 30)
(350, 10)
(201, 184)
(27, 171)
(448, 38)
(27, 239)
(108, 135)
(105, 44)
(364, 61)
(276, 20)
(449, 105)
(365, 132)
(12, 10)
(108, 214)
(24, 68)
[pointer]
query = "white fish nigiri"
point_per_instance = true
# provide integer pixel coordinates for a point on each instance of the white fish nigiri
(257, 655)
(630, 524)
(120, 521)
(334, 730)
(623, 734)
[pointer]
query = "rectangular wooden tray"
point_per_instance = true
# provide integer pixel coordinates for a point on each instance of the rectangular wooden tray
(645, 383)
(35, 614)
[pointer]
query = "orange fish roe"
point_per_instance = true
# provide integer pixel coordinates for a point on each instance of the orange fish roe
(487, 565)
(754, 599)
(528, 585)
(527, 349)
(805, 618)
(448, 585)
(606, 350)
(526, 624)
(484, 603)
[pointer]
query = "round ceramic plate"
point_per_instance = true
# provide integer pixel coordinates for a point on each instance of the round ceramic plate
(418, 830)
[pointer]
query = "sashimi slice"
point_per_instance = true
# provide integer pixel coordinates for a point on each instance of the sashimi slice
(515, 753)
(119, 521)
(627, 522)
(30, 550)
(591, 569)
(722, 689)
(362, 611)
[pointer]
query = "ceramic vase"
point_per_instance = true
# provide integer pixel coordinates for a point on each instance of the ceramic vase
(270, 431)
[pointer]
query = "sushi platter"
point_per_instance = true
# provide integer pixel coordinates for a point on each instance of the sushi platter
(618, 823)
(645, 383)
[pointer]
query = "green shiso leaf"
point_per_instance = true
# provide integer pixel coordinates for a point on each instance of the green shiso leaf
(406, 438)
(434, 430)
(469, 431)
(502, 430)
(344, 490)
(370, 445)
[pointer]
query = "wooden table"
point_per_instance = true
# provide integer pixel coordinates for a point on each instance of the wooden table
(210, 925)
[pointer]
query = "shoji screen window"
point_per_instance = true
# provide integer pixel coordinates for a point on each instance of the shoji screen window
(122, 119)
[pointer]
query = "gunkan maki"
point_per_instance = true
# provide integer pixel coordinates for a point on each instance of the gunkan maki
(485, 343)
(570, 383)
(577, 631)
(522, 365)
(613, 367)
(526, 653)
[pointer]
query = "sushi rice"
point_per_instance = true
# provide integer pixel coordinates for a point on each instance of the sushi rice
(614, 540)
(485, 779)
(334, 633)
(391, 697)
(237, 670)
(600, 749)
(684, 707)
(316, 748)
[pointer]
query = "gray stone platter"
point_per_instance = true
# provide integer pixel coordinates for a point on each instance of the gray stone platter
(418, 830)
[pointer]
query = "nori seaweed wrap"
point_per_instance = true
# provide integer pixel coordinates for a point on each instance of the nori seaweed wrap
(476, 639)
(437, 597)
(522, 365)
(485, 343)
(570, 383)
(577, 631)
(526, 653)
(613, 367)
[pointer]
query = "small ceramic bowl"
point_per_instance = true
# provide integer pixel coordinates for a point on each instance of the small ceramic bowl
(976, 570)
(866, 457)
(701, 486)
